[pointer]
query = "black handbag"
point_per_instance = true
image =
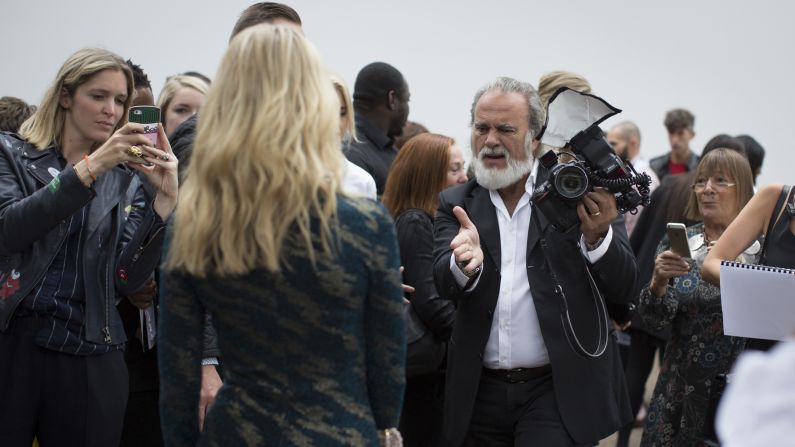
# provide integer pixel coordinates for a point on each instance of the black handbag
(424, 354)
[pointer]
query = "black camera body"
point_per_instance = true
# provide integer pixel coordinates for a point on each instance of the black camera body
(595, 164)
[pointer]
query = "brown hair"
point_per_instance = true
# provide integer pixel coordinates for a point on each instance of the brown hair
(13, 112)
(678, 119)
(410, 130)
(418, 174)
(264, 12)
(730, 163)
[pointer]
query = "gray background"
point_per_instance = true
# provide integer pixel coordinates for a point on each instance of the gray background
(729, 62)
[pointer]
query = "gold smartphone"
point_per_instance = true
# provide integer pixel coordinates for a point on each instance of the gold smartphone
(677, 238)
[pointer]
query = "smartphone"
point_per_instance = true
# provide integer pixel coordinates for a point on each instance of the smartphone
(677, 237)
(149, 116)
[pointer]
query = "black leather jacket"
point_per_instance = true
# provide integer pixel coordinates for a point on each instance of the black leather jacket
(36, 198)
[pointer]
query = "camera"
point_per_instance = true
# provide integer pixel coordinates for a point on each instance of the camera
(594, 164)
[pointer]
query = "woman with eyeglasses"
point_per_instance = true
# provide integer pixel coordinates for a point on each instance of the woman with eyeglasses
(771, 213)
(677, 298)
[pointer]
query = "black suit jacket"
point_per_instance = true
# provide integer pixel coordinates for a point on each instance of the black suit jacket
(591, 392)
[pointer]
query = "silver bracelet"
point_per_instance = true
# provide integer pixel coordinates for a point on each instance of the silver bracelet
(390, 438)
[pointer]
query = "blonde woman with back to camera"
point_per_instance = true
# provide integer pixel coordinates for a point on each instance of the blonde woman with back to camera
(302, 281)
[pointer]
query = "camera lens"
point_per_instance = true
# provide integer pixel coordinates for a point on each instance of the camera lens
(571, 182)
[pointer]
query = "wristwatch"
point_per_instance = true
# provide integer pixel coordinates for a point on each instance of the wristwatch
(471, 274)
(595, 245)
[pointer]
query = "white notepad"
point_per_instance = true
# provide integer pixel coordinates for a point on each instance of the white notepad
(758, 301)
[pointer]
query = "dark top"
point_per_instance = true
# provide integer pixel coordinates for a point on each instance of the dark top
(182, 145)
(415, 236)
(650, 230)
(313, 356)
(374, 153)
(37, 201)
(662, 165)
(182, 142)
(781, 244)
(59, 300)
(590, 392)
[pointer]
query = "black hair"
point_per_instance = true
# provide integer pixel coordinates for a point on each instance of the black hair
(196, 74)
(373, 84)
(140, 79)
(754, 151)
(724, 141)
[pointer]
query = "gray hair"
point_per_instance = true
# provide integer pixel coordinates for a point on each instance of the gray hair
(510, 85)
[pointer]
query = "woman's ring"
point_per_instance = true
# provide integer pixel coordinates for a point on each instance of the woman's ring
(135, 151)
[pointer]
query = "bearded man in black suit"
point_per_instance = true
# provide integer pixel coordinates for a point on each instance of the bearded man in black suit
(514, 377)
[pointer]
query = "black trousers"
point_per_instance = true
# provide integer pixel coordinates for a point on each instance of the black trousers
(638, 359)
(63, 400)
(516, 415)
(142, 421)
(421, 418)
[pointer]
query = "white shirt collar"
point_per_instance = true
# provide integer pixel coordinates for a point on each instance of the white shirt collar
(529, 186)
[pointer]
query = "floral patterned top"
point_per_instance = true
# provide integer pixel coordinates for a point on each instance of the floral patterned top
(697, 352)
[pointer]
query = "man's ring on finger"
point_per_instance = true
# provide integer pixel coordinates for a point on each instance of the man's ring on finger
(135, 151)
(164, 157)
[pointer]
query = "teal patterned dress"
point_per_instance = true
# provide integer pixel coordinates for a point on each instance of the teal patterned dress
(313, 356)
(697, 352)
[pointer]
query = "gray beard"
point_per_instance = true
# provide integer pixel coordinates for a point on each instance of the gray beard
(495, 178)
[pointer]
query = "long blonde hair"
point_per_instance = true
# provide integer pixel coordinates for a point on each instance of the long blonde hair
(266, 164)
(45, 127)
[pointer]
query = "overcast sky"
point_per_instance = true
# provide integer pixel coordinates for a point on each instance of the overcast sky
(730, 62)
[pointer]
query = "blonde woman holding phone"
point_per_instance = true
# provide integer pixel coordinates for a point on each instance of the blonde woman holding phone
(68, 249)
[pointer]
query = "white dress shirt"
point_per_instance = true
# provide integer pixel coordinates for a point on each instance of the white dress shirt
(641, 165)
(515, 340)
(357, 182)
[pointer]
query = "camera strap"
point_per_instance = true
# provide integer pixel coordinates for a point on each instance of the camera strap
(565, 317)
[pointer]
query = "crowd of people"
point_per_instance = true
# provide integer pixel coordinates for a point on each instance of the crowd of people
(293, 264)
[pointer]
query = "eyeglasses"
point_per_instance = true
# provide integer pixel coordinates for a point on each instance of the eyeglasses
(718, 184)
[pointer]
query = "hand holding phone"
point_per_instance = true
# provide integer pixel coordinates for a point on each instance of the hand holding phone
(149, 116)
(677, 238)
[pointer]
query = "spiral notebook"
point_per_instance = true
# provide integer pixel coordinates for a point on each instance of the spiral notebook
(758, 301)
